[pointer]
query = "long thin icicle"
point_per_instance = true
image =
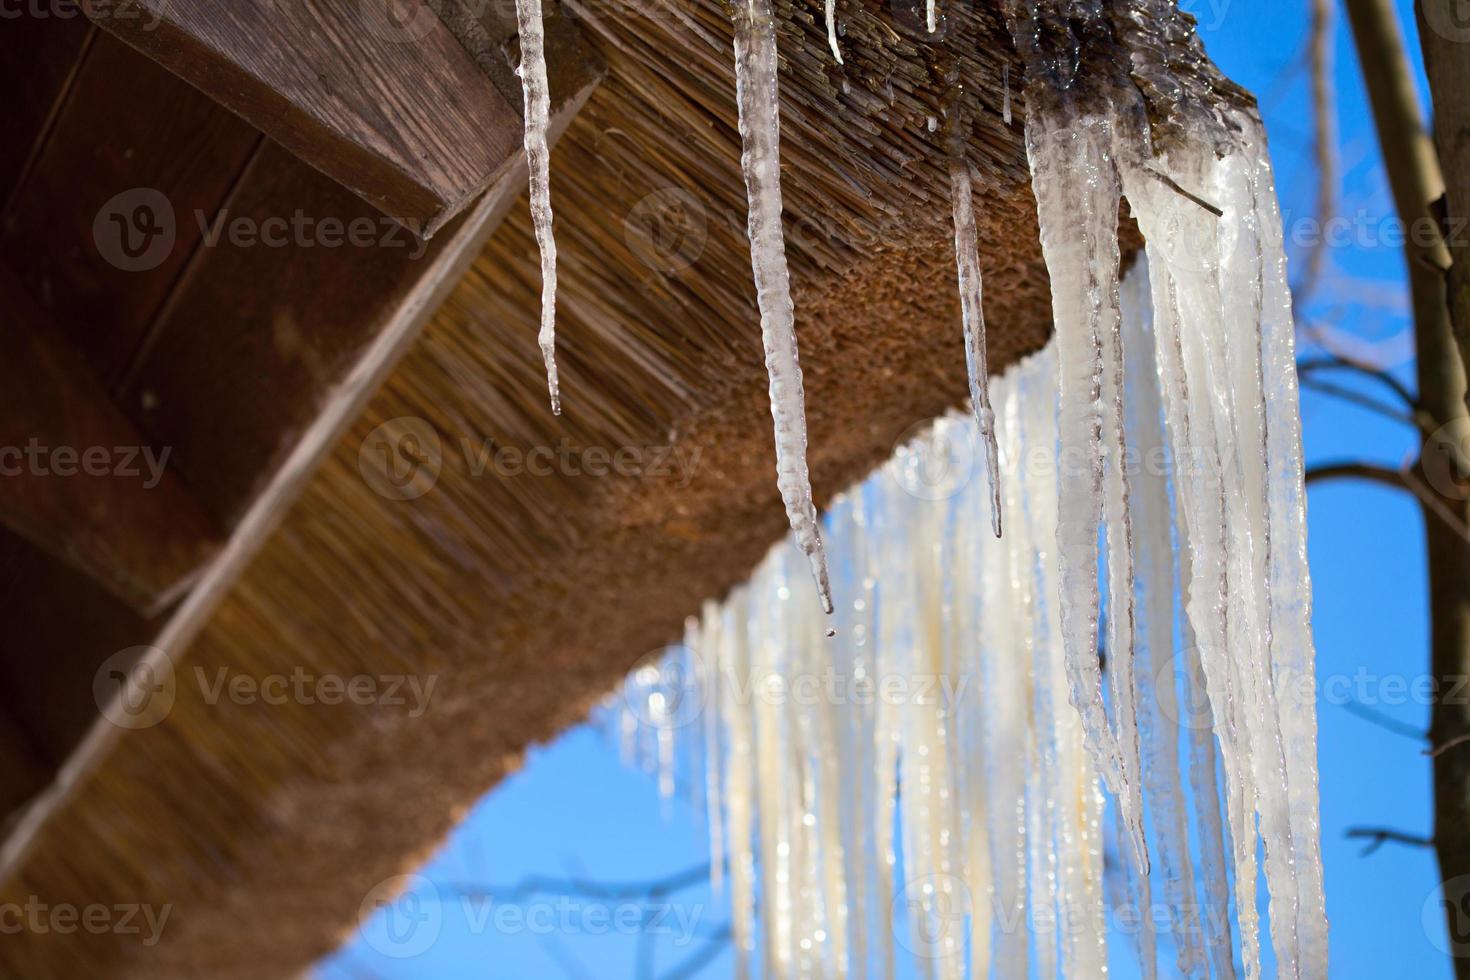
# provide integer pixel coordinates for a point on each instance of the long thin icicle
(967, 259)
(537, 92)
(832, 30)
(758, 96)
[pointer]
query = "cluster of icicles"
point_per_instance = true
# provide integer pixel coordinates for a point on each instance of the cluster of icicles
(1158, 438)
(918, 785)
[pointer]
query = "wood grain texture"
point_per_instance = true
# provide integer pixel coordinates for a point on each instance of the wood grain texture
(78, 479)
(131, 136)
(392, 108)
(38, 59)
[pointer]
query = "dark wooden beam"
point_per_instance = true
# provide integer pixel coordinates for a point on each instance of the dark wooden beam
(394, 109)
(107, 215)
(79, 481)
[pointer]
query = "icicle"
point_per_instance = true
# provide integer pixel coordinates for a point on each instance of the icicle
(1293, 658)
(707, 665)
(734, 661)
(832, 30)
(1158, 702)
(1077, 204)
(1005, 105)
(931, 17)
(760, 160)
(967, 259)
(997, 815)
(532, 72)
(1122, 612)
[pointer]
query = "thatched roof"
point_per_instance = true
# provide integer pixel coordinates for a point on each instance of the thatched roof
(526, 597)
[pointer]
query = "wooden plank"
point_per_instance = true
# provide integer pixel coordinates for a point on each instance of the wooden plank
(396, 111)
(37, 62)
(310, 276)
(60, 627)
(399, 311)
(21, 772)
(107, 217)
(79, 480)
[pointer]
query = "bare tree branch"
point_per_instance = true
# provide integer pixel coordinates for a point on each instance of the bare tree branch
(1319, 61)
(1384, 721)
(1398, 479)
(1378, 836)
(702, 957)
(586, 887)
(1339, 361)
(1439, 750)
(1359, 399)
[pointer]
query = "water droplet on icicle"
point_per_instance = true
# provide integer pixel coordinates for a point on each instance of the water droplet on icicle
(760, 160)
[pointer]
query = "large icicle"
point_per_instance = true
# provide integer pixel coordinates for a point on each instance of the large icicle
(1077, 199)
(991, 805)
(996, 821)
(760, 132)
(967, 259)
(537, 92)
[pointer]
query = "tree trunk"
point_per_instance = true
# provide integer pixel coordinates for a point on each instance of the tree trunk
(1435, 273)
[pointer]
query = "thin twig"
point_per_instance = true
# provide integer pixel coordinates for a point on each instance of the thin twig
(1361, 400)
(701, 957)
(1403, 479)
(1439, 750)
(1378, 836)
(1174, 186)
(610, 891)
(1384, 721)
(1324, 136)
(1337, 361)
(1350, 470)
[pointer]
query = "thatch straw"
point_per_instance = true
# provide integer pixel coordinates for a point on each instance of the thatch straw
(528, 597)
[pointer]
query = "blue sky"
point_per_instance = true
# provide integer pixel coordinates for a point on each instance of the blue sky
(576, 811)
